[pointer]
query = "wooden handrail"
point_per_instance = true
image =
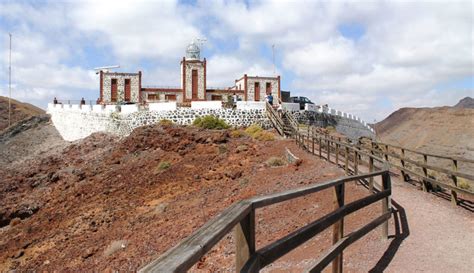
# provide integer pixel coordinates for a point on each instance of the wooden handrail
(371, 152)
(241, 216)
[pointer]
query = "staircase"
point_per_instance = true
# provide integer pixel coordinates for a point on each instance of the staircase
(283, 121)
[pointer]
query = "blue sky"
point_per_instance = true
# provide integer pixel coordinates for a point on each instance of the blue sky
(368, 58)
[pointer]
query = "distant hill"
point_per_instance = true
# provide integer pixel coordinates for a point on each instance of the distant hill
(19, 111)
(467, 102)
(440, 130)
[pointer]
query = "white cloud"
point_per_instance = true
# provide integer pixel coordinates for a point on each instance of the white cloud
(408, 49)
(138, 29)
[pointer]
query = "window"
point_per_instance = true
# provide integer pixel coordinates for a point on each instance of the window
(216, 97)
(170, 97)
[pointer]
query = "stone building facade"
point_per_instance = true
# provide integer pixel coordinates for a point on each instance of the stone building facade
(257, 88)
(120, 87)
(127, 87)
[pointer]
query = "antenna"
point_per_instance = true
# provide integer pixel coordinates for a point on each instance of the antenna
(10, 84)
(105, 68)
(200, 42)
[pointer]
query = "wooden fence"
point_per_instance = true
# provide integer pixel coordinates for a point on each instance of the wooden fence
(365, 151)
(241, 218)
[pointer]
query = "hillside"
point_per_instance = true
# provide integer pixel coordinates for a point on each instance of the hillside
(19, 111)
(467, 102)
(440, 130)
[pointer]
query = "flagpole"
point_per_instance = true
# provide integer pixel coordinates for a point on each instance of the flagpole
(10, 83)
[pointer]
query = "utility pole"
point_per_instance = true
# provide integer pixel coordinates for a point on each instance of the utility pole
(273, 58)
(10, 84)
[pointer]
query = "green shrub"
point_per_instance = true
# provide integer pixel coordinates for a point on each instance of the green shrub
(275, 161)
(166, 122)
(162, 166)
(463, 184)
(210, 122)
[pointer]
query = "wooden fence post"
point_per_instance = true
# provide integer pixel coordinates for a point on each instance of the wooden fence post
(346, 163)
(386, 206)
(244, 240)
(320, 148)
(371, 179)
(329, 150)
(337, 154)
(356, 162)
(454, 195)
(403, 164)
(338, 227)
(425, 172)
(312, 138)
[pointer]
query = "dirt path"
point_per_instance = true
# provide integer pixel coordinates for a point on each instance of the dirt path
(427, 234)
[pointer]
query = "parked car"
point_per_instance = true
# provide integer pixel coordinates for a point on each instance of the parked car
(301, 100)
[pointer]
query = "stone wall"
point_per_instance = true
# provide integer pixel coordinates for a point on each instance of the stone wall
(134, 86)
(75, 123)
(351, 127)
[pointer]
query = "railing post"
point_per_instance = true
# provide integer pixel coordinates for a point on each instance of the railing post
(312, 138)
(454, 195)
(338, 227)
(386, 184)
(403, 163)
(356, 162)
(371, 179)
(244, 240)
(320, 148)
(425, 172)
(329, 150)
(337, 154)
(346, 163)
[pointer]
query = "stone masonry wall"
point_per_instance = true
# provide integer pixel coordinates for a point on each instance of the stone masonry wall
(74, 124)
(134, 86)
(352, 128)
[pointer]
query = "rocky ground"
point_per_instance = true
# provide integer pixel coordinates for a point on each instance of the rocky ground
(29, 138)
(105, 203)
(19, 111)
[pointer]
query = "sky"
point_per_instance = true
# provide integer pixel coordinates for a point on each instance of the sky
(368, 58)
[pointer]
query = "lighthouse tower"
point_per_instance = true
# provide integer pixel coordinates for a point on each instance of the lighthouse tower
(193, 74)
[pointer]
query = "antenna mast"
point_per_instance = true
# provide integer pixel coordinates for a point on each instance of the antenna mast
(10, 84)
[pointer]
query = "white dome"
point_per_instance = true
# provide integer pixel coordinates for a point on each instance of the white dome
(193, 51)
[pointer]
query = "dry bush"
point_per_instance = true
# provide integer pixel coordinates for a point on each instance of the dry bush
(463, 184)
(256, 132)
(165, 122)
(275, 161)
(253, 129)
(237, 133)
(264, 136)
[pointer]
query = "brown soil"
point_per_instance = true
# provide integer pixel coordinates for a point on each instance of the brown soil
(19, 111)
(104, 203)
(442, 130)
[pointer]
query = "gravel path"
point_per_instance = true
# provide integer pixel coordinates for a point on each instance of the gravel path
(427, 234)
(440, 237)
